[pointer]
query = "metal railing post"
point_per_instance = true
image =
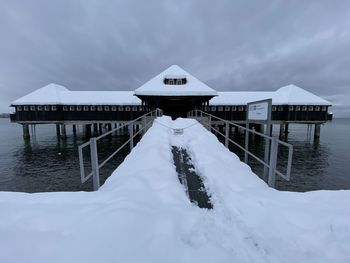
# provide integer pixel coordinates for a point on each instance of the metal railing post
(209, 123)
(246, 145)
(94, 164)
(227, 133)
(273, 161)
(131, 132)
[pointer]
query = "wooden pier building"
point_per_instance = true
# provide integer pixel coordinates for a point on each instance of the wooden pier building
(175, 91)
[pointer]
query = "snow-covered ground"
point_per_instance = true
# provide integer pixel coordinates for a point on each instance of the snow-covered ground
(142, 213)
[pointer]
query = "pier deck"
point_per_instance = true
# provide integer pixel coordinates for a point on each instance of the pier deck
(142, 213)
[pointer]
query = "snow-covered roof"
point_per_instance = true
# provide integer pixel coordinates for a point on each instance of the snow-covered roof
(193, 86)
(290, 94)
(56, 94)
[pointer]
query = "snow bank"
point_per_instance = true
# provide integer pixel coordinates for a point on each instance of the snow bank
(142, 213)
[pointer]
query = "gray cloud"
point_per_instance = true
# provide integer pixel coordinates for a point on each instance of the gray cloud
(231, 45)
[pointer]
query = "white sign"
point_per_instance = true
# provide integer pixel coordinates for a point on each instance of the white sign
(258, 111)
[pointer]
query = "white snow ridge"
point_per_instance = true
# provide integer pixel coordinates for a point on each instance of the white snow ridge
(142, 213)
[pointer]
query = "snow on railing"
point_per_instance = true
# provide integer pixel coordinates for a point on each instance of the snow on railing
(271, 164)
(95, 166)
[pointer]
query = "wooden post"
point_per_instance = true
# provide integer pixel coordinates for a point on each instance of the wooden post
(282, 131)
(63, 131)
(74, 130)
(58, 131)
(26, 135)
(286, 127)
(317, 132)
(95, 129)
(87, 130)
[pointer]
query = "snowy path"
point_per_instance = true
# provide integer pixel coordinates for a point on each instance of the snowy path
(142, 213)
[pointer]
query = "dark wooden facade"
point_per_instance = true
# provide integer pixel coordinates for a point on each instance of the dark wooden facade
(176, 107)
(282, 113)
(76, 113)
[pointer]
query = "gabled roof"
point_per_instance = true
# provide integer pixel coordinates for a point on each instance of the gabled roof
(290, 94)
(58, 95)
(49, 94)
(156, 86)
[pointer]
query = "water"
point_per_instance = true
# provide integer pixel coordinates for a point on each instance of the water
(46, 163)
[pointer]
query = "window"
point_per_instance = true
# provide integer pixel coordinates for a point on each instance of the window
(220, 108)
(274, 108)
(291, 108)
(311, 108)
(65, 108)
(140, 108)
(317, 108)
(134, 108)
(25, 108)
(32, 108)
(106, 108)
(304, 108)
(71, 108)
(54, 108)
(127, 108)
(324, 108)
(280, 108)
(234, 108)
(175, 80)
(240, 108)
(120, 108)
(40, 107)
(92, 108)
(213, 108)
(78, 108)
(179, 82)
(19, 108)
(227, 108)
(297, 108)
(46, 108)
(114, 108)
(99, 108)
(86, 108)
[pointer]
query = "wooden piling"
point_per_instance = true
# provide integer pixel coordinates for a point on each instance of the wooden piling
(74, 130)
(63, 131)
(317, 132)
(26, 134)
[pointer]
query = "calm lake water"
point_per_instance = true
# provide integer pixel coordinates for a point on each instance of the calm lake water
(46, 163)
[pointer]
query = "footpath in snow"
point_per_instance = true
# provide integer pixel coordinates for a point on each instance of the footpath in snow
(142, 213)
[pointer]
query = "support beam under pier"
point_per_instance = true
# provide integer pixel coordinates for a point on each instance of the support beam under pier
(63, 131)
(26, 134)
(317, 132)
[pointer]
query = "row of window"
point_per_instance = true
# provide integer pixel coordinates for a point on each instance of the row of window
(274, 108)
(175, 81)
(79, 108)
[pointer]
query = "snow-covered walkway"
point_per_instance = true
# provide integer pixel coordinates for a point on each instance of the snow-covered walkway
(142, 213)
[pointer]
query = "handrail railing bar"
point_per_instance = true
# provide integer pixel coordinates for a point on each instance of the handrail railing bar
(236, 125)
(87, 177)
(121, 147)
(242, 148)
(114, 153)
(125, 124)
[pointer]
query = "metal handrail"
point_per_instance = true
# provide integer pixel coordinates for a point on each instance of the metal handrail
(95, 166)
(272, 161)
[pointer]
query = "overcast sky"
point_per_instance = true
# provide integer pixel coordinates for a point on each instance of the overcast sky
(230, 45)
